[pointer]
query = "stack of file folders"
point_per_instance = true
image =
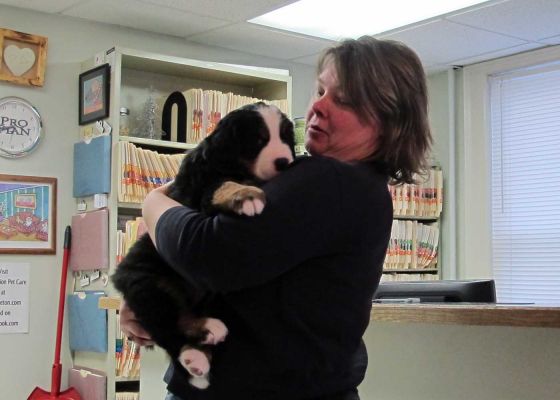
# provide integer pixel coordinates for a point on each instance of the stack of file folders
(142, 170)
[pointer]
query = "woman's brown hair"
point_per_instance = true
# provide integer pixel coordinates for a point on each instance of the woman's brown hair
(384, 80)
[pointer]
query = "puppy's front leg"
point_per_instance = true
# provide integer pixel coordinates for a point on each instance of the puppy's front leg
(238, 198)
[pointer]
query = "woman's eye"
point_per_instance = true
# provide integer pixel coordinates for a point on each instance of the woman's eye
(342, 101)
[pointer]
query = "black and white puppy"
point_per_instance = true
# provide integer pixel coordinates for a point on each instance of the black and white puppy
(249, 146)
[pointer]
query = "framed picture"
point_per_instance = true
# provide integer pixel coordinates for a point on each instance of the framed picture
(23, 57)
(94, 94)
(27, 214)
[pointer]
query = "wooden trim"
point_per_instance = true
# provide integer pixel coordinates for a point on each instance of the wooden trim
(468, 314)
(453, 314)
(35, 76)
(32, 247)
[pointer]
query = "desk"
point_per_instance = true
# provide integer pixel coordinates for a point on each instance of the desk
(457, 351)
(468, 314)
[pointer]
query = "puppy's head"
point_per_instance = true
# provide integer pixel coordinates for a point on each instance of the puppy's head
(260, 136)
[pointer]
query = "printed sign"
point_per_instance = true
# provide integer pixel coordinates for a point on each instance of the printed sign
(14, 297)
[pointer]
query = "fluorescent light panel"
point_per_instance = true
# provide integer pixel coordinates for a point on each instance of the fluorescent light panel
(353, 18)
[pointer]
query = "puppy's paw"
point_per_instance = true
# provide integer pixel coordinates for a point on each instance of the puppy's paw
(199, 382)
(217, 331)
(251, 207)
(195, 362)
(240, 199)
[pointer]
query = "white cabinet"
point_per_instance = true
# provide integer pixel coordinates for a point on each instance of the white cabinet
(133, 73)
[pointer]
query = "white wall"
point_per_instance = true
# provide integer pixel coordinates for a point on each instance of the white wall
(441, 108)
(26, 359)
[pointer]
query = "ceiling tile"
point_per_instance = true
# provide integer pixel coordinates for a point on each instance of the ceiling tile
(236, 11)
(440, 41)
(496, 54)
(551, 40)
(50, 6)
(251, 38)
(525, 19)
(147, 17)
(480, 33)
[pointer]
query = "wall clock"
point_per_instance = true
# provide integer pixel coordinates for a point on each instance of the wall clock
(21, 127)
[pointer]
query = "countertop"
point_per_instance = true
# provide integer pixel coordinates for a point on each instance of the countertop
(469, 314)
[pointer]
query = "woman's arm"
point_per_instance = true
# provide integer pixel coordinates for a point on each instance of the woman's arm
(155, 204)
(302, 219)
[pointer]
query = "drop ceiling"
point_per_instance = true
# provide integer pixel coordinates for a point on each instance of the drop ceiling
(491, 30)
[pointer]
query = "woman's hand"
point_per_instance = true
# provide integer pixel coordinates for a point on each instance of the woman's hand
(131, 327)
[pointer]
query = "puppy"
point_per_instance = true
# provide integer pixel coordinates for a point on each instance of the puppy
(249, 146)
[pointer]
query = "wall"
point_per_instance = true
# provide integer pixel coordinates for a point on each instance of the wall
(441, 108)
(26, 359)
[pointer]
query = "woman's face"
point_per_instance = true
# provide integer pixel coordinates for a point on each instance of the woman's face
(333, 128)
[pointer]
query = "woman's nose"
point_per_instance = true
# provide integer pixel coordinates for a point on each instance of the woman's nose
(320, 107)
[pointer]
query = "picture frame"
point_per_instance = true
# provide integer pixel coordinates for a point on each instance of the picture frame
(23, 57)
(94, 94)
(27, 214)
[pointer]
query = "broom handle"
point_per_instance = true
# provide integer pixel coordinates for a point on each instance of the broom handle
(57, 368)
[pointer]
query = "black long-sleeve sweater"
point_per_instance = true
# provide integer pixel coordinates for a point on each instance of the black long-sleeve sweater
(294, 285)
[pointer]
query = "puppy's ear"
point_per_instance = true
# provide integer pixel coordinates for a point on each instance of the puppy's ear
(238, 138)
(287, 134)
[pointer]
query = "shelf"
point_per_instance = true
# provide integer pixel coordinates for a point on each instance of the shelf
(416, 217)
(132, 73)
(411, 271)
(204, 70)
(133, 206)
(125, 379)
(157, 143)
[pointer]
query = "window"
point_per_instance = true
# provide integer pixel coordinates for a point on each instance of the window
(525, 184)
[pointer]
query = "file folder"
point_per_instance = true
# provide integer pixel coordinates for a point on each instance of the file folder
(90, 241)
(87, 323)
(92, 166)
(91, 384)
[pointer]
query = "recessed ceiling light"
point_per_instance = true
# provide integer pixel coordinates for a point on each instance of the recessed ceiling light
(353, 18)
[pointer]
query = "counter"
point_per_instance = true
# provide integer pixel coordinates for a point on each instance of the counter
(468, 314)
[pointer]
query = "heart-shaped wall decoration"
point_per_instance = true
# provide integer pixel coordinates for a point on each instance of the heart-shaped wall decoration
(19, 61)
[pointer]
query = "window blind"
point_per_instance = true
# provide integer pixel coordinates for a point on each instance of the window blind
(525, 178)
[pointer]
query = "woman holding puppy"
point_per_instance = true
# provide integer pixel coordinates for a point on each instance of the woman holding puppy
(294, 284)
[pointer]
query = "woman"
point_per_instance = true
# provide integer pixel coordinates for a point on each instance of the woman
(295, 284)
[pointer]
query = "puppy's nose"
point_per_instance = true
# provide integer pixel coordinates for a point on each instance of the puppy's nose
(281, 163)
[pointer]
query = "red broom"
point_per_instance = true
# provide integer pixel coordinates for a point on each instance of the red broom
(55, 393)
